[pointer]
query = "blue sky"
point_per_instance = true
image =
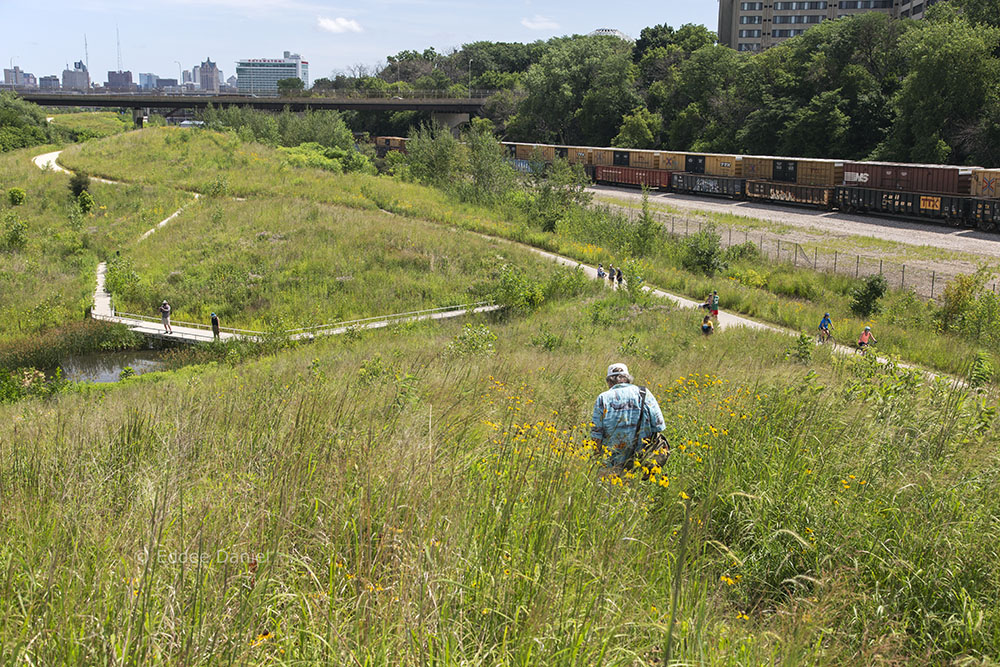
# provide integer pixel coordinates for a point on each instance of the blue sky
(42, 37)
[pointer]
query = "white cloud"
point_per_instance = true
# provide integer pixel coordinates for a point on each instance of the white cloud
(338, 25)
(539, 23)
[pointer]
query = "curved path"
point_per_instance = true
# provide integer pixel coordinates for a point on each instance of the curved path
(149, 326)
(197, 333)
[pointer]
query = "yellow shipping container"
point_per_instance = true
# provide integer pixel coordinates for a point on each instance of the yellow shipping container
(579, 155)
(604, 156)
(643, 159)
(534, 152)
(672, 161)
(986, 183)
(724, 165)
(820, 172)
(758, 168)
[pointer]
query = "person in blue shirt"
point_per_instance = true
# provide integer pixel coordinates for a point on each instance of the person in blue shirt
(616, 415)
(824, 328)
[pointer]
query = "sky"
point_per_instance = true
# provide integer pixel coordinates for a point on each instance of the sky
(331, 36)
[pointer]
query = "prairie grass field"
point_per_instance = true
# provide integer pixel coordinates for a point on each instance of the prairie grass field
(211, 162)
(268, 260)
(428, 493)
(51, 280)
(92, 124)
(415, 497)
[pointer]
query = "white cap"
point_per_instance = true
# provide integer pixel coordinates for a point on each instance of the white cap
(617, 369)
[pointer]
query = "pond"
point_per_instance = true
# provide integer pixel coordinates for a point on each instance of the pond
(107, 366)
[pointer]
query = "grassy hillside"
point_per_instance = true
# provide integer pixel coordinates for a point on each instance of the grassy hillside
(408, 497)
(212, 162)
(92, 125)
(304, 264)
(50, 281)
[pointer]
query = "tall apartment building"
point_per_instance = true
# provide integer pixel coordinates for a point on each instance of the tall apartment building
(208, 76)
(50, 82)
(754, 26)
(147, 80)
(17, 77)
(261, 76)
(77, 78)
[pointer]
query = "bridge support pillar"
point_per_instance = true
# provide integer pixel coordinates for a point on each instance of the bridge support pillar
(453, 121)
(139, 116)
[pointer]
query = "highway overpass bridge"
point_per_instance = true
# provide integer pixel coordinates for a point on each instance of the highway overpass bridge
(450, 111)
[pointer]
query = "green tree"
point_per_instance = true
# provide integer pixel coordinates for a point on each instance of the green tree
(435, 156)
(290, 87)
(492, 177)
(639, 129)
(956, 61)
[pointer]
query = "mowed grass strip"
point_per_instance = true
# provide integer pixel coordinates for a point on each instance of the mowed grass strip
(51, 280)
(382, 498)
(266, 260)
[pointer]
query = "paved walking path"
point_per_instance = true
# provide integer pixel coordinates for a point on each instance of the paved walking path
(152, 328)
(103, 310)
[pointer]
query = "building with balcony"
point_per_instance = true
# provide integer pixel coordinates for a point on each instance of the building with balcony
(754, 26)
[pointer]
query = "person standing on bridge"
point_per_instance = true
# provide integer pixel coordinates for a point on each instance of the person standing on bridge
(165, 316)
(215, 326)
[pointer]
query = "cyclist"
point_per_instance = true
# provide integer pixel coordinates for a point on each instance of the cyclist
(866, 339)
(824, 328)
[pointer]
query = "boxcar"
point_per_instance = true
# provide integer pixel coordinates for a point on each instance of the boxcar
(791, 193)
(953, 208)
(924, 178)
(651, 178)
(825, 173)
(722, 186)
(724, 165)
(644, 159)
(986, 183)
(758, 168)
(673, 161)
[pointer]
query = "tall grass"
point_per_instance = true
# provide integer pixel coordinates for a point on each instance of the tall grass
(50, 282)
(381, 500)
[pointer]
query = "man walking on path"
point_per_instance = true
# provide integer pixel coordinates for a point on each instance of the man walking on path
(165, 316)
(611, 274)
(626, 419)
(713, 306)
(620, 278)
(215, 326)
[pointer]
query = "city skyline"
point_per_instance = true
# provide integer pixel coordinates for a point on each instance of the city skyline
(331, 36)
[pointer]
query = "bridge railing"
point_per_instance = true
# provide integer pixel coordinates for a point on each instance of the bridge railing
(336, 94)
(118, 316)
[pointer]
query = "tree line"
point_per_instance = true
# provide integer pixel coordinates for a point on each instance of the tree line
(860, 87)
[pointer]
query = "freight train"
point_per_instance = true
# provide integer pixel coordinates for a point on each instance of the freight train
(959, 196)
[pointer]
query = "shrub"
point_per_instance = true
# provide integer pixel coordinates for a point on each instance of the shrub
(85, 202)
(703, 252)
(803, 349)
(16, 196)
(865, 297)
(79, 183)
(516, 291)
(15, 236)
(126, 373)
(473, 340)
(981, 372)
(744, 252)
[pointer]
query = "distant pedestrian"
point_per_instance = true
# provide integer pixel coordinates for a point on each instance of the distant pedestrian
(215, 326)
(611, 274)
(600, 272)
(165, 316)
(620, 278)
(714, 304)
(707, 327)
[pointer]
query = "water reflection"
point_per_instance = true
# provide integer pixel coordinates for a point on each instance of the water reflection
(107, 366)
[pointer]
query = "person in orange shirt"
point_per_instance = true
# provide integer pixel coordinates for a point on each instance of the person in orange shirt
(866, 339)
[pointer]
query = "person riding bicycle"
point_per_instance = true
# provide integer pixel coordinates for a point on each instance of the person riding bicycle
(866, 339)
(824, 328)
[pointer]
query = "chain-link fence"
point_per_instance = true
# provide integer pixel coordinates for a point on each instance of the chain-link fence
(924, 282)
